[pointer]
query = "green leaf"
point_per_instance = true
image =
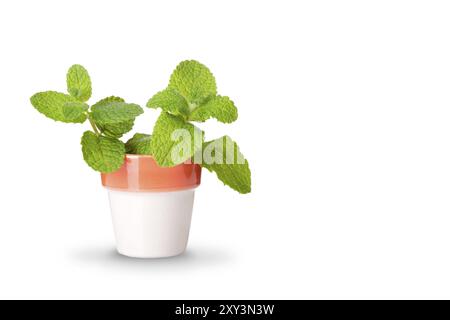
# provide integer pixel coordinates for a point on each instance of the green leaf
(139, 144)
(102, 154)
(107, 101)
(75, 111)
(79, 83)
(170, 101)
(115, 130)
(193, 81)
(174, 140)
(52, 105)
(223, 157)
(115, 112)
(219, 107)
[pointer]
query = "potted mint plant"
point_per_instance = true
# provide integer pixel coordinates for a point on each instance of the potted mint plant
(152, 177)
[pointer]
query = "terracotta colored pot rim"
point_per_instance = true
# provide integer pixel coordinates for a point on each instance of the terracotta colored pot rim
(131, 155)
(141, 173)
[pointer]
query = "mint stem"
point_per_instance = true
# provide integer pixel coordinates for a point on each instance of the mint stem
(93, 126)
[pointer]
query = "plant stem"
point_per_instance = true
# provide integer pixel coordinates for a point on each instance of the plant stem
(93, 126)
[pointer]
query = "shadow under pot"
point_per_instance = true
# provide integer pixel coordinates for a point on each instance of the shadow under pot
(151, 206)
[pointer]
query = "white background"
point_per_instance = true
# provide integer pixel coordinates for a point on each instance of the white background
(344, 115)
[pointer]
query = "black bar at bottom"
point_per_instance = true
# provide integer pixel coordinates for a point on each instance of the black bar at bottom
(232, 309)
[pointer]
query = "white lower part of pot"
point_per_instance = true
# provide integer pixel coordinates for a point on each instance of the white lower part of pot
(151, 224)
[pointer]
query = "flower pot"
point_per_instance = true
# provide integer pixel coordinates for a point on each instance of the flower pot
(151, 206)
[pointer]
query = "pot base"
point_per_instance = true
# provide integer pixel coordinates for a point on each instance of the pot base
(126, 254)
(151, 224)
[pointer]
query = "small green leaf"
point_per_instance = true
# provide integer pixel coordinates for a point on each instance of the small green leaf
(51, 104)
(115, 112)
(102, 154)
(115, 130)
(170, 101)
(174, 140)
(223, 157)
(75, 111)
(139, 144)
(219, 107)
(193, 81)
(79, 83)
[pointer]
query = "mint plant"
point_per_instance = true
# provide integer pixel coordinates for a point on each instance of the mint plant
(110, 119)
(191, 96)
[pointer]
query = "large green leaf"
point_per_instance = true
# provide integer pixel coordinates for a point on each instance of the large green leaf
(103, 154)
(193, 81)
(115, 130)
(115, 112)
(174, 140)
(57, 106)
(223, 157)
